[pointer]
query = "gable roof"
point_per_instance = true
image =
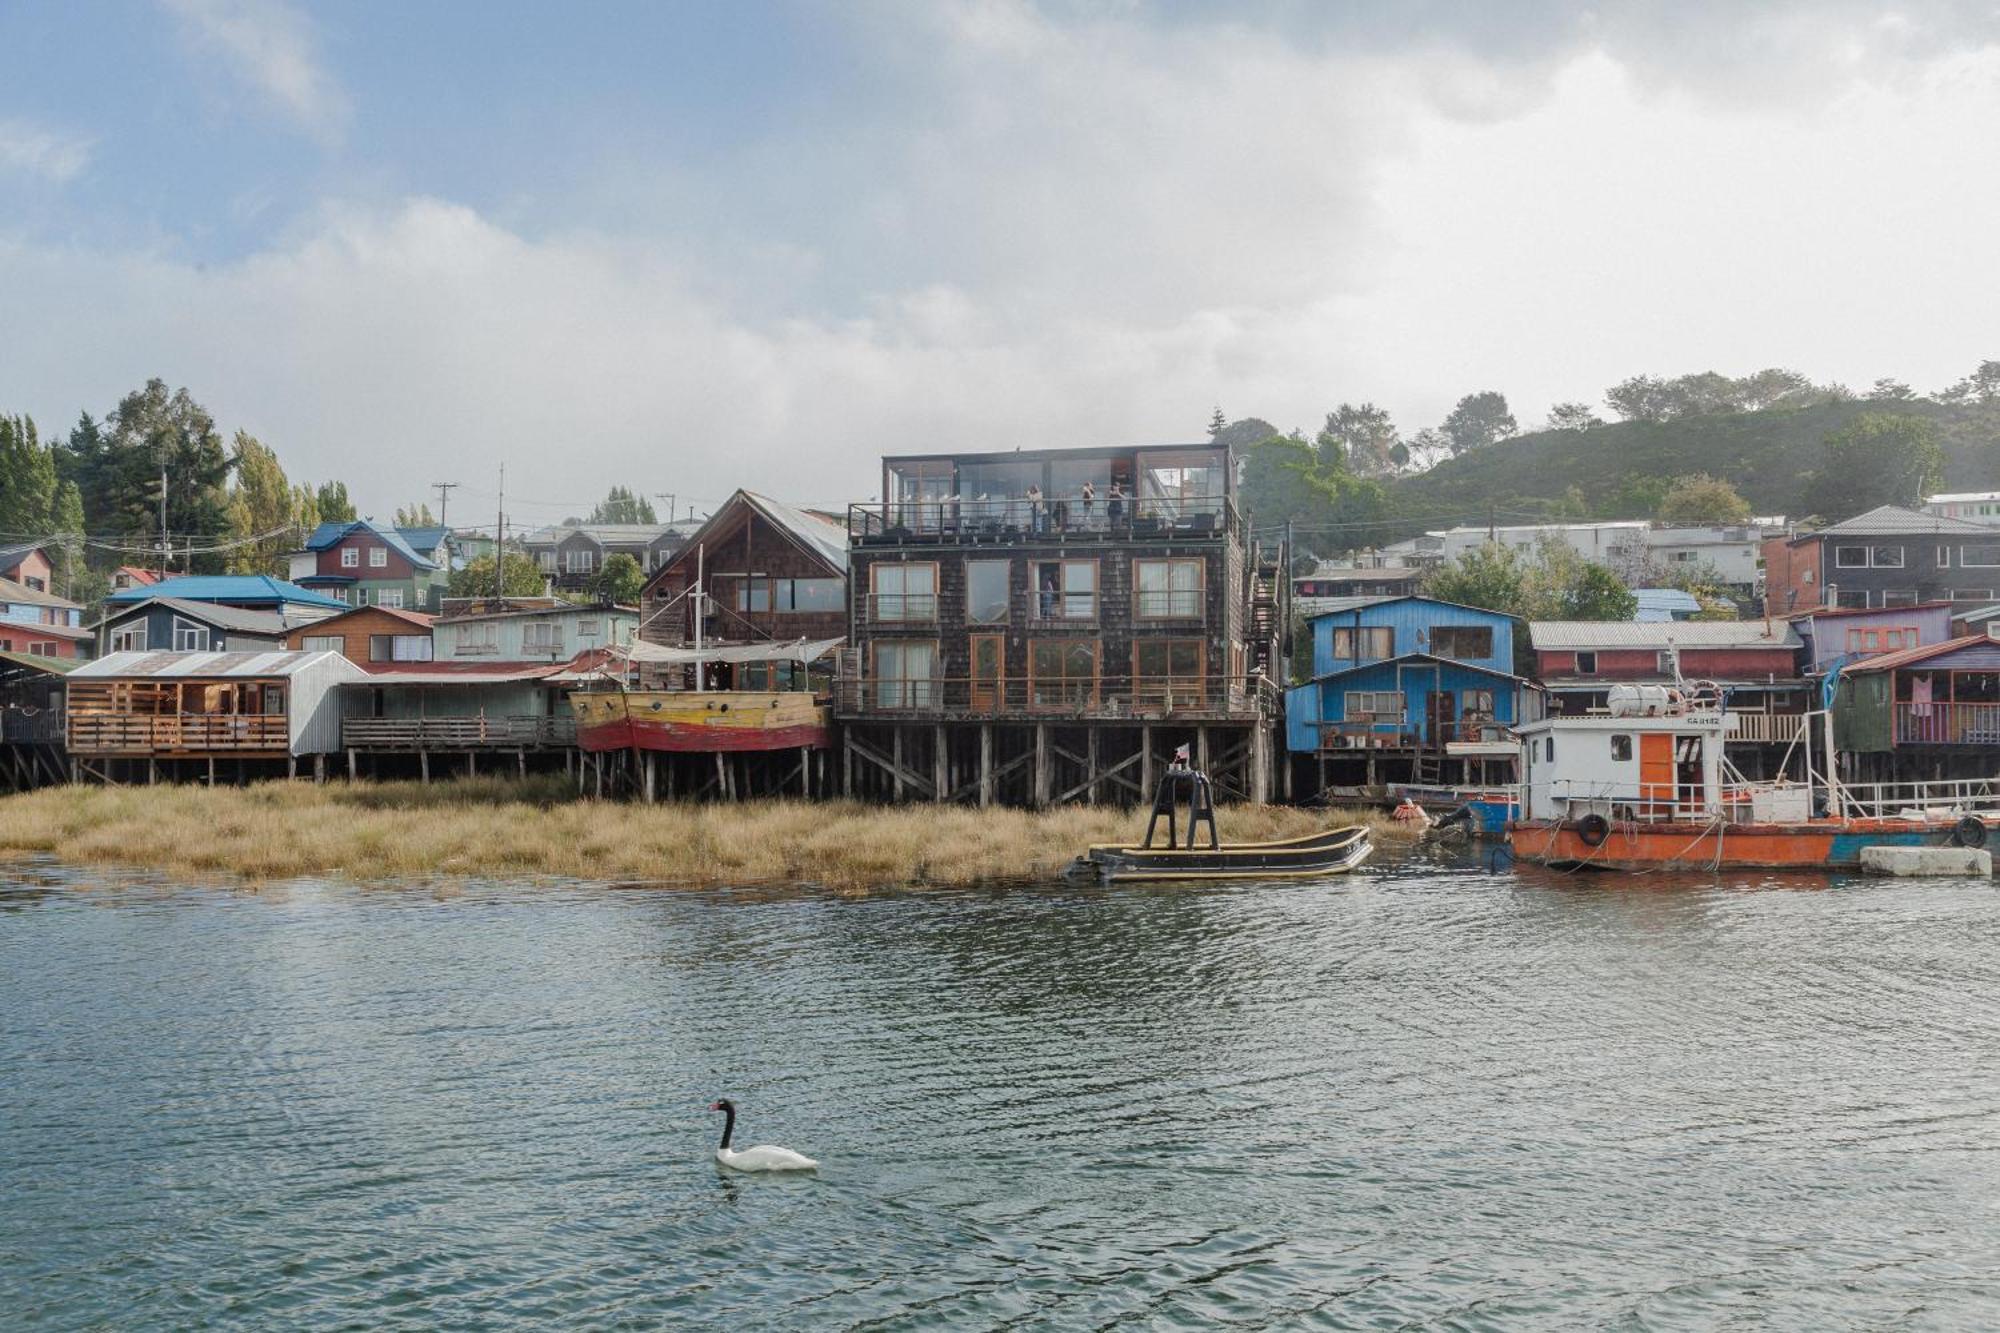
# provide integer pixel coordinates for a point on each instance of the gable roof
(260, 662)
(1661, 634)
(1830, 612)
(216, 615)
(816, 536)
(10, 591)
(15, 553)
(427, 538)
(418, 619)
(1416, 657)
(1343, 605)
(1894, 521)
(1914, 656)
(138, 575)
(332, 534)
(250, 588)
(609, 534)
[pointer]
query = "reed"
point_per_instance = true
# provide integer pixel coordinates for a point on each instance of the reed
(505, 827)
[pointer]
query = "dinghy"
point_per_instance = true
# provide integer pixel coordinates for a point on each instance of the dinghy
(1328, 852)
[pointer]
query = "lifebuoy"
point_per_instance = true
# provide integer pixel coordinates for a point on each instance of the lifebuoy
(1592, 830)
(1970, 832)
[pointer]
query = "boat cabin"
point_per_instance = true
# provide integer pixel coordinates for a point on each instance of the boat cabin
(1666, 767)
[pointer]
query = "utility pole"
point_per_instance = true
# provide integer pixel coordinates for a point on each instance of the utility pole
(163, 522)
(444, 490)
(669, 497)
(500, 539)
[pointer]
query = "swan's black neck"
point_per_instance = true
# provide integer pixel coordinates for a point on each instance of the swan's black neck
(728, 1124)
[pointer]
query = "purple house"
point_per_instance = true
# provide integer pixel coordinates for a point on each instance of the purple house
(1863, 632)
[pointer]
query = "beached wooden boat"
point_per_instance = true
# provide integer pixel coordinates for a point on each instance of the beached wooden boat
(700, 721)
(1328, 852)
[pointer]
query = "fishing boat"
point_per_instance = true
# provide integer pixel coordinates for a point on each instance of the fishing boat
(1646, 785)
(702, 721)
(1328, 852)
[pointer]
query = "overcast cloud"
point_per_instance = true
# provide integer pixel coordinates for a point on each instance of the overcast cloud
(1056, 226)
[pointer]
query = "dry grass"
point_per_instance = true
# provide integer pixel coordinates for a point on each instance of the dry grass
(493, 826)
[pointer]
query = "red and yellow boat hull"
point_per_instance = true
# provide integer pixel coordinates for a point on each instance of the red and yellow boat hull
(701, 722)
(1817, 844)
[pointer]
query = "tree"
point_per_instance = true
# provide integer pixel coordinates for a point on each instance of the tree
(1359, 438)
(332, 502)
(1876, 459)
(1891, 391)
(1775, 387)
(1428, 447)
(1573, 416)
(623, 505)
(618, 580)
(261, 507)
(27, 481)
(1479, 419)
(1490, 577)
(414, 516)
(152, 431)
(1284, 481)
(1217, 423)
(68, 527)
(521, 576)
(1700, 498)
(1556, 584)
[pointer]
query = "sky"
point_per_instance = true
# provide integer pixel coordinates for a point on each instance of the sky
(689, 247)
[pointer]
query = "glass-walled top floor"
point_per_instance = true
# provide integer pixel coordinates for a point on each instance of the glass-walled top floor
(1067, 490)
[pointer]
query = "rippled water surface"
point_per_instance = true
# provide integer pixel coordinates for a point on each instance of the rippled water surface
(1422, 1095)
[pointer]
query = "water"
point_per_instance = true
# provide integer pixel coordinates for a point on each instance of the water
(1426, 1095)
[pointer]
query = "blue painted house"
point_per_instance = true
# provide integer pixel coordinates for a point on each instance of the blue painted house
(1413, 679)
(251, 592)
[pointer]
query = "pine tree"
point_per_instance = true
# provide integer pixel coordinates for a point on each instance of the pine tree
(1217, 423)
(260, 506)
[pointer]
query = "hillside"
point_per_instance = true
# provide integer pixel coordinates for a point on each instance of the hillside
(1617, 467)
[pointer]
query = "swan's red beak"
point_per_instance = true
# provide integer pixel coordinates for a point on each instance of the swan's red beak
(715, 1106)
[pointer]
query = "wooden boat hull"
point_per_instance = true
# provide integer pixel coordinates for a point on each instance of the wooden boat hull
(700, 722)
(1331, 852)
(1818, 844)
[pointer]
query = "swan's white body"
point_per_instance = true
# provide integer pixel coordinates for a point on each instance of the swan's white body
(765, 1158)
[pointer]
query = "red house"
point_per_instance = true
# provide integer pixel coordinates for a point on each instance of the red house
(1755, 662)
(27, 564)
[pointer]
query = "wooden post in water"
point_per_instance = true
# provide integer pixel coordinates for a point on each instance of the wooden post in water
(985, 764)
(940, 764)
(1260, 764)
(1044, 773)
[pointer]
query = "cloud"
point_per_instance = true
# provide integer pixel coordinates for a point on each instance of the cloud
(37, 151)
(270, 46)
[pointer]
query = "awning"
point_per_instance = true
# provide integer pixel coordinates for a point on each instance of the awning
(795, 650)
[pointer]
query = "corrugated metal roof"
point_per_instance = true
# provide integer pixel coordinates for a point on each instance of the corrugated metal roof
(1660, 604)
(228, 588)
(243, 619)
(11, 591)
(1894, 520)
(61, 666)
(1912, 656)
(828, 539)
(620, 534)
(207, 665)
(1589, 634)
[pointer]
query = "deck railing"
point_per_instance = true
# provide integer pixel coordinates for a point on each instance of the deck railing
(1766, 728)
(45, 726)
(183, 733)
(1172, 518)
(1948, 724)
(1902, 800)
(457, 733)
(1138, 698)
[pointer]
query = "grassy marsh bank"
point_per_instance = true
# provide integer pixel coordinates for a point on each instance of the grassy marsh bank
(494, 826)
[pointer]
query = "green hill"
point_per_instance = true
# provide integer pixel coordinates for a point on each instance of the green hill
(1620, 468)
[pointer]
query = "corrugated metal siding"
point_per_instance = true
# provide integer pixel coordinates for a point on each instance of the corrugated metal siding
(1302, 718)
(316, 702)
(1862, 715)
(1416, 682)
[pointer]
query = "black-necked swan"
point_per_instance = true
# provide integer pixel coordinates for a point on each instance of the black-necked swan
(761, 1158)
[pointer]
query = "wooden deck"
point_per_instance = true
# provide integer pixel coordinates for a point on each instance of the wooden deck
(415, 734)
(178, 735)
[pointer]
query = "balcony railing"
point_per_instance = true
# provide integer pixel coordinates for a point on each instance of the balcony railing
(1138, 698)
(1766, 728)
(187, 733)
(1948, 724)
(929, 522)
(45, 726)
(901, 608)
(457, 733)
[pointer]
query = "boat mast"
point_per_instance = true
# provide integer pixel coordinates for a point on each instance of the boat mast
(700, 564)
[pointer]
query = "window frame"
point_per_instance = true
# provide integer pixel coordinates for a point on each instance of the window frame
(1437, 649)
(477, 638)
(542, 637)
(350, 557)
(1006, 568)
(1621, 741)
(1164, 687)
(1581, 669)
(129, 638)
(1376, 634)
(924, 613)
(1354, 711)
(1173, 595)
(202, 633)
(1065, 645)
(323, 643)
(378, 557)
(1991, 547)
(1065, 597)
(902, 691)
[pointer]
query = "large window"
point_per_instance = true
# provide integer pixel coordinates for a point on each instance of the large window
(750, 595)
(131, 639)
(378, 557)
(1374, 706)
(190, 636)
(905, 674)
(547, 560)
(902, 593)
(1168, 589)
(392, 597)
(986, 591)
(579, 560)
(1881, 640)
(810, 595)
(1169, 672)
(1462, 642)
(476, 639)
(1062, 673)
(1868, 557)
(1366, 644)
(542, 637)
(324, 643)
(399, 647)
(1979, 557)
(1065, 589)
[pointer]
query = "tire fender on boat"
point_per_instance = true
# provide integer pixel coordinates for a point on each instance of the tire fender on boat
(1969, 832)
(1592, 830)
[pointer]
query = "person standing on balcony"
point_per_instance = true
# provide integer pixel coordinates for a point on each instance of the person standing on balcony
(1114, 504)
(1049, 592)
(1089, 499)
(1035, 513)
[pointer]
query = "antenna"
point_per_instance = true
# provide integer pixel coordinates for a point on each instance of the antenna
(500, 539)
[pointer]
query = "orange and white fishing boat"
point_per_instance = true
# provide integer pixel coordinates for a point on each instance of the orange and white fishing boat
(1647, 785)
(777, 708)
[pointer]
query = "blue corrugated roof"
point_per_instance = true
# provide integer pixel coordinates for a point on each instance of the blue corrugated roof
(330, 534)
(231, 589)
(423, 539)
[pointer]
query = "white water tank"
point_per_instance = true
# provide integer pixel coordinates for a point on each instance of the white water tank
(1642, 700)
